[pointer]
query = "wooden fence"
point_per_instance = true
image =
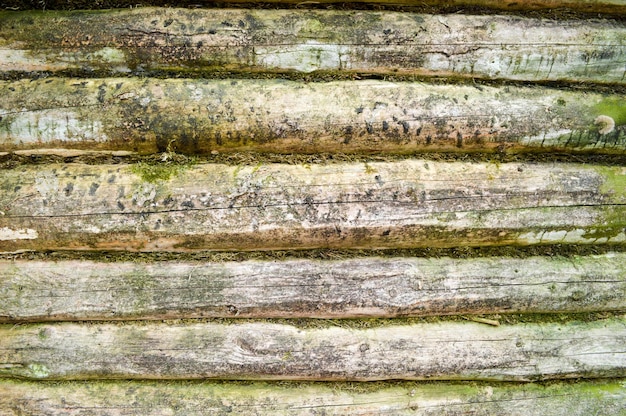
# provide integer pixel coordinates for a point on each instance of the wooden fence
(378, 208)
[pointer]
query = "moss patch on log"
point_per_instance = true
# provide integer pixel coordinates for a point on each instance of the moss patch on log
(166, 167)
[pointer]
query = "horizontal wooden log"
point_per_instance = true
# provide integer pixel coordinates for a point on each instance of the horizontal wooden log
(182, 40)
(188, 399)
(361, 287)
(410, 203)
(563, 7)
(202, 116)
(594, 6)
(438, 351)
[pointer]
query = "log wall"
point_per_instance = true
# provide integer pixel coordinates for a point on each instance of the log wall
(144, 115)
(256, 211)
(357, 287)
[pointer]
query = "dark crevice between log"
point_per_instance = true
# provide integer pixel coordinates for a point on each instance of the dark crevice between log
(151, 162)
(554, 250)
(499, 319)
(319, 77)
(350, 386)
(571, 11)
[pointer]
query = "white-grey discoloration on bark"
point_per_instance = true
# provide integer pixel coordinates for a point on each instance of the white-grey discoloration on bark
(201, 116)
(145, 39)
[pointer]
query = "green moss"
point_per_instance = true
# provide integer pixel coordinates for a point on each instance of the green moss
(369, 169)
(604, 232)
(161, 170)
(611, 224)
(613, 107)
(38, 370)
(614, 182)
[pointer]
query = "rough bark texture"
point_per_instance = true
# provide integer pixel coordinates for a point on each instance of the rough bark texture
(598, 7)
(564, 8)
(361, 287)
(412, 203)
(202, 116)
(188, 399)
(257, 351)
(181, 40)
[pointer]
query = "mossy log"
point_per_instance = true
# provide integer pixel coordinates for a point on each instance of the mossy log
(188, 41)
(583, 398)
(360, 287)
(274, 351)
(202, 116)
(410, 203)
(563, 8)
(589, 6)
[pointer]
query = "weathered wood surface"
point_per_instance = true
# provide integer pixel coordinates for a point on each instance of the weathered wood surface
(597, 6)
(562, 7)
(201, 116)
(411, 203)
(146, 39)
(583, 398)
(260, 350)
(361, 287)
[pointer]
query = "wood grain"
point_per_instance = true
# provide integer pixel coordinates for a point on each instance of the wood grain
(272, 351)
(188, 41)
(411, 203)
(558, 8)
(202, 116)
(188, 399)
(360, 287)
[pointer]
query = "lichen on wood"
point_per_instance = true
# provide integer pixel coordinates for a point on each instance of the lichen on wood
(187, 41)
(203, 116)
(410, 203)
(267, 351)
(582, 398)
(358, 287)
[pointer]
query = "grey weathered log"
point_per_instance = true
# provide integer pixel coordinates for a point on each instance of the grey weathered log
(410, 203)
(563, 7)
(182, 40)
(202, 116)
(594, 6)
(272, 351)
(583, 398)
(360, 287)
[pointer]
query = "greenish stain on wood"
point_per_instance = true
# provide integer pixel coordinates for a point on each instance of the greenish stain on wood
(302, 398)
(149, 40)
